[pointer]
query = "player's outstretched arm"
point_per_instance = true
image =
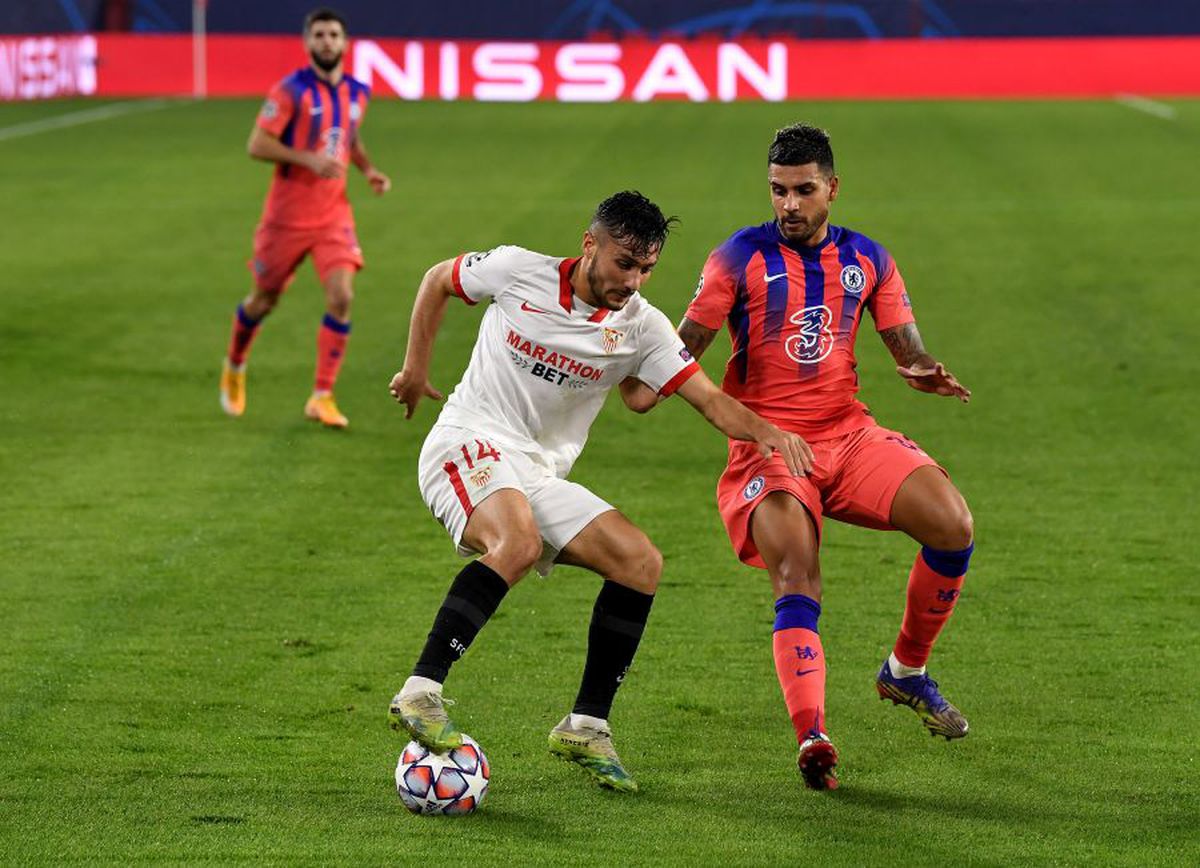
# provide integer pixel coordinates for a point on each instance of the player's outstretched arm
(379, 182)
(918, 368)
(411, 383)
(264, 146)
(734, 420)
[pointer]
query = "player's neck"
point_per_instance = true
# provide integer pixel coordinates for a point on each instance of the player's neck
(333, 76)
(579, 285)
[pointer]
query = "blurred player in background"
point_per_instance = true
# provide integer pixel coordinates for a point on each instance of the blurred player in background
(558, 334)
(792, 292)
(309, 127)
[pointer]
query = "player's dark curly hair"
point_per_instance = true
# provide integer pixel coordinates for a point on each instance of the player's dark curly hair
(635, 221)
(800, 144)
(324, 13)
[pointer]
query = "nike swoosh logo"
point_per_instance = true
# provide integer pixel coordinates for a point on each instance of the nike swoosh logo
(525, 307)
(941, 611)
(805, 671)
(771, 277)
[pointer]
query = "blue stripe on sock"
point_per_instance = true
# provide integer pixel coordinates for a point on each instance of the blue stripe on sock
(797, 610)
(244, 319)
(333, 324)
(949, 564)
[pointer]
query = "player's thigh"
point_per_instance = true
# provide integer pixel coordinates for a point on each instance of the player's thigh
(278, 252)
(337, 256)
(786, 536)
(930, 509)
(458, 472)
(872, 464)
(617, 549)
(749, 479)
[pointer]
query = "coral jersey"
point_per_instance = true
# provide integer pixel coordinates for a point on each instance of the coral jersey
(310, 114)
(793, 313)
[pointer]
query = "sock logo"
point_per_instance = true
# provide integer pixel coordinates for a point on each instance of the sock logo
(948, 596)
(806, 653)
(455, 645)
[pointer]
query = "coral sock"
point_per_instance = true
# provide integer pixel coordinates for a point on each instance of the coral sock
(244, 330)
(800, 663)
(934, 586)
(331, 347)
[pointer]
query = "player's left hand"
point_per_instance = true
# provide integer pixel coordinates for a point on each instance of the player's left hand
(936, 380)
(379, 182)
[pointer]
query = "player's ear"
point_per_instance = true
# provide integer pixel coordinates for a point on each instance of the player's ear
(589, 243)
(833, 188)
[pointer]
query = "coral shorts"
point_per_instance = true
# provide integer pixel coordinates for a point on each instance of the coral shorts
(279, 250)
(855, 478)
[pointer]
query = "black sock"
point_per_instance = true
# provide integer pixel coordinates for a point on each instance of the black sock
(472, 599)
(618, 619)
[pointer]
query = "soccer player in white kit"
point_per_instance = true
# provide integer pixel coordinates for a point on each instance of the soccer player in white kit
(558, 334)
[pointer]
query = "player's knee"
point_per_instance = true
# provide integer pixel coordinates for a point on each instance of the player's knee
(515, 555)
(339, 300)
(260, 303)
(956, 530)
(639, 567)
(798, 576)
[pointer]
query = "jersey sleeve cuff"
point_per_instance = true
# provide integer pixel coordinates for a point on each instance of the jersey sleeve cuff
(456, 279)
(701, 319)
(895, 321)
(679, 379)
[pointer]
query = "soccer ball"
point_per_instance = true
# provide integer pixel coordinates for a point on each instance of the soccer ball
(453, 783)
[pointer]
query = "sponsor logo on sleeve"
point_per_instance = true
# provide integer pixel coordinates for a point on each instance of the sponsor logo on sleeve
(270, 110)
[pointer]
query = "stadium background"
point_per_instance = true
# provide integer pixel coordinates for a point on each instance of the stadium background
(203, 619)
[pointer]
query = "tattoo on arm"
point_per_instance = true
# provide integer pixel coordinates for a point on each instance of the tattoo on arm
(904, 343)
(695, 337)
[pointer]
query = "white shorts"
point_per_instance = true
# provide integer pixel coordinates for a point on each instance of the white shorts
(459, 468)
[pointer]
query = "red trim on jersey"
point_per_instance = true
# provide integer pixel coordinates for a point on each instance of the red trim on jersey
(457, 280)
(599, 315)
(679, 379)
(565, 293)
(456, 481)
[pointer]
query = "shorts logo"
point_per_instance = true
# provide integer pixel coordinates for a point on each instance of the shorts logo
(610, 339)
(853, 279)
(754, 488)
(270, 110)
(481, 477)
(685, 355)
(814, 341)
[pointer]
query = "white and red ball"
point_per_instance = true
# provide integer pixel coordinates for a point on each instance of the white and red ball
(453, 783)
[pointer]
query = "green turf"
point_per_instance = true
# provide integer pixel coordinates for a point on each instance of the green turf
(202, 620)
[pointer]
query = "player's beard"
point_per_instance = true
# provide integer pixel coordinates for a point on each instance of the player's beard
(596, 289)
(325, 65)
(805, 232)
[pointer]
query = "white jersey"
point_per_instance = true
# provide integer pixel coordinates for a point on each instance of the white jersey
(544, 360)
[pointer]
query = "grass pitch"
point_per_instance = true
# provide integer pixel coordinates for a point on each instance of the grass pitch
(203, 619)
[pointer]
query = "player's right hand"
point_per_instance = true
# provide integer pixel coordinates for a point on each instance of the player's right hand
(796, 453)
(408, 389)
(325, 166)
